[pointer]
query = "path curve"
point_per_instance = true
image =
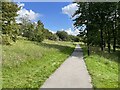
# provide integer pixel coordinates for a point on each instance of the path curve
(71, 74)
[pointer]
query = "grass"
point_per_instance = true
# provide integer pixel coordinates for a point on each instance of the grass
(0, 66)
(103, 67)
(28, 64)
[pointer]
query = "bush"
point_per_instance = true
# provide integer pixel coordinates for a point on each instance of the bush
(39, 38)
(53, 37)
(5, 40)
(76, 39)
(63, 35)
(14, 37)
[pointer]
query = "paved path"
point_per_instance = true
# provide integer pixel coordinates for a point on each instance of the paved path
(71, 74)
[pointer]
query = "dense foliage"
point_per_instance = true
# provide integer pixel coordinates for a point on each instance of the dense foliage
(102, 22)
(9, 26)
(63, 36)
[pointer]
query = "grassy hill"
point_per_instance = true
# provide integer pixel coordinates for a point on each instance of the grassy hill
(28, 64)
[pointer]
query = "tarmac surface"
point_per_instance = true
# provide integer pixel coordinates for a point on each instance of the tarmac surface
(71, 74)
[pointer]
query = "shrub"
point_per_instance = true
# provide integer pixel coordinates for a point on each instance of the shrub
(62, 35)
(39, 38)
(5, 39)
(76, 39)
(53, 37)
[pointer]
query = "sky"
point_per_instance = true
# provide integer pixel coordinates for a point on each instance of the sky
(55, 16)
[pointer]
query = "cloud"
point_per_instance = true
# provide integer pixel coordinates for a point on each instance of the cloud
(52, 31)
(71, 32)
(70, 9)
(20, 5)
(31, 15)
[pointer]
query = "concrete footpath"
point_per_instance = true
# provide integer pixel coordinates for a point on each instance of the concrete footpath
(71, 74)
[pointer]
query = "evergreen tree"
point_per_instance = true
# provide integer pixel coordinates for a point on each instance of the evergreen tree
(9, 26)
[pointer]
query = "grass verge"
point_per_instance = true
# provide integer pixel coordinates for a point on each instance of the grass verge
(103, 67)
(28, 64)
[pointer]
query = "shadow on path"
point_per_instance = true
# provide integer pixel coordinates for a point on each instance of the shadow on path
(71, 74)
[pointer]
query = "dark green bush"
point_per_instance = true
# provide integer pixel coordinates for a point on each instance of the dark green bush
(53, 37)
(76, 39)
(39, 38)
(5, 40)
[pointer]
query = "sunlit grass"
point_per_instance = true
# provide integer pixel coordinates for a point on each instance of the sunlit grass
(28, 64)
(103, 67)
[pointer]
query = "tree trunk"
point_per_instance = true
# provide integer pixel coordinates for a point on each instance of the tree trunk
(114, 42)
(88, 44)
(88, 50)
(114, 33)
(109, 41)
(101, 36)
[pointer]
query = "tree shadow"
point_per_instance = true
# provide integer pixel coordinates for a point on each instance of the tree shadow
(113, 56)
(74, 52)
(78, 52)
(63, 49)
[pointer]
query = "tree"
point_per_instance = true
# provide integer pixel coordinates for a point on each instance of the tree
(34, 32)
(24, 26)
(74, 38)
(53, 37)
(9, 26)
(118, 23)
(39, 32)
(83, 18)
(101, 19)
(62, 35)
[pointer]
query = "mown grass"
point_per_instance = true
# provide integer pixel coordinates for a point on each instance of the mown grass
(28, 64)
(103, 67)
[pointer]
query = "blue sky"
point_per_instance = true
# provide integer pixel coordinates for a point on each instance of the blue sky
(54, 15)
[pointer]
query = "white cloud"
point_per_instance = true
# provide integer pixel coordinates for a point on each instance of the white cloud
(71, 32)
(20, 5)
(52, 31)
(31, 15)
(70, 9)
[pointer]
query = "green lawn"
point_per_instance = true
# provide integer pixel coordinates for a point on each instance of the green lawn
(103, 67)
(28, 64)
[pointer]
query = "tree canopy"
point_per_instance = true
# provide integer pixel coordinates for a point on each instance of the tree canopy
(9, 26)
(102, 21)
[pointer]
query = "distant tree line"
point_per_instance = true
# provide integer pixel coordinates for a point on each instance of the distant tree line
(32, 31)
(102, 20)
(63, 36)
